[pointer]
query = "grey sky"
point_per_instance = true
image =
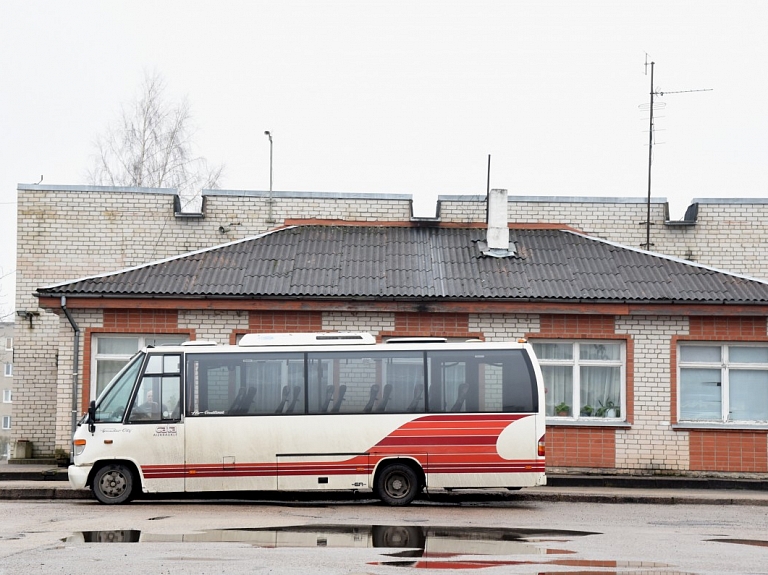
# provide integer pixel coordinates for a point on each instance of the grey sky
(399, 97)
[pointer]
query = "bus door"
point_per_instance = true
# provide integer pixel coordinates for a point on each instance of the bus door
(155, 426)
(232, 432)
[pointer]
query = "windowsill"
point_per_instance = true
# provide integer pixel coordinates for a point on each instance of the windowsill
(561, 421)
(714, 426)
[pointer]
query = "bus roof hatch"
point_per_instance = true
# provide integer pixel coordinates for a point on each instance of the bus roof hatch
(297, 339)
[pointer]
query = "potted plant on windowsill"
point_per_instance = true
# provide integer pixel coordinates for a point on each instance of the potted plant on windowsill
(587, 411)
(563, 409)
(607, 409)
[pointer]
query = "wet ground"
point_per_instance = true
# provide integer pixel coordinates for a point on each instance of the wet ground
(366, 537)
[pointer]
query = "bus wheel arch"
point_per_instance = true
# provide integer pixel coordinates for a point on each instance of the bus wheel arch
(398, 481)
(115, 481)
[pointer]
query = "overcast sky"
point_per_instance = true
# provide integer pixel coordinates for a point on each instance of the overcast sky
(399, 97)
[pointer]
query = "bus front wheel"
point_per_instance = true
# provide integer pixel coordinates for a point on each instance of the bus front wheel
(397, 484)
(113, 484)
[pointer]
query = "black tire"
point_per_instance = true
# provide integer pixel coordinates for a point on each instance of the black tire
(393, 536)
(114, 484)
(397, 484)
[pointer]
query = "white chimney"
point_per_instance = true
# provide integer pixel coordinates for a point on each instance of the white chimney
(498, 229)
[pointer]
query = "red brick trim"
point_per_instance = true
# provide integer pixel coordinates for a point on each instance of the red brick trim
(730, 451)
(149, 320)
(346, 305)
(431, 325)
(593, 447)
(280, 322)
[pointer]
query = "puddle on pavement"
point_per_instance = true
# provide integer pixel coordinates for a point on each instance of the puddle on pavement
(423, 547)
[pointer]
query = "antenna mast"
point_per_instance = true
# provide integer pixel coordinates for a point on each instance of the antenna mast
(647, 244)
(650, 161)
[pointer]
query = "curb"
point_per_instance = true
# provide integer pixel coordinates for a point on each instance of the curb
(27, 492)
(44, 493)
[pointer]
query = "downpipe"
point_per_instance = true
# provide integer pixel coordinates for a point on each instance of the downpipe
(75, 369)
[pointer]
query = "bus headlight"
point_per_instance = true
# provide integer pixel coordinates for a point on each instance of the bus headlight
(79, 446)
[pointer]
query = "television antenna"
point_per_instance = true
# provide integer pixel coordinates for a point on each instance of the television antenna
(657, 105)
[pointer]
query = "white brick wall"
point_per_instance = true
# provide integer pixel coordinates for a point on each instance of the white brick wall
(374, 323)
(497, 327)
(651, 444)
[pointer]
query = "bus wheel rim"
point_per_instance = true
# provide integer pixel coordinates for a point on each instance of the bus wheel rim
(397, 485)
(113, 484)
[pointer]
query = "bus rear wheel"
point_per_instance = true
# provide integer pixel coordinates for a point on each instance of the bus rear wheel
(113, 484)
(397, 484)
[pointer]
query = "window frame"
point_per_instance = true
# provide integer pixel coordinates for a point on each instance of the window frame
(9, 343)
(576, 363)
(141, 338)
(725, 366)
(8, 372)
(7, 418)
(7, 396)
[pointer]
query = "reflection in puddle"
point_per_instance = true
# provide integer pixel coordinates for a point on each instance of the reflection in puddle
(445, 541)
(115, 536)
(423, 547)
(481, 564)
(755, 542)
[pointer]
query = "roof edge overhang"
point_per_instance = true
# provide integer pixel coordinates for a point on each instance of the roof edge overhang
(52, 302)
(427, 222)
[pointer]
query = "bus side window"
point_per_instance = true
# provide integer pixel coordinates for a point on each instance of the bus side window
(519, 384)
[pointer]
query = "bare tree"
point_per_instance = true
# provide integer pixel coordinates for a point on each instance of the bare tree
(150, 145)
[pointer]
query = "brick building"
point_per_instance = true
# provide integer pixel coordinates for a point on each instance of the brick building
(659, 351)
(6, 380)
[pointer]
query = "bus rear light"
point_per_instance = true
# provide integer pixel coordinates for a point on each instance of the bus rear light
(79, 446)
(542, 445)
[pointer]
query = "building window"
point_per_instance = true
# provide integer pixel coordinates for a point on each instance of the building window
(112, 352)
(8, 343)
(6, 422)
(8, 370)
(723, 383)
(7, 397)
(583, 379)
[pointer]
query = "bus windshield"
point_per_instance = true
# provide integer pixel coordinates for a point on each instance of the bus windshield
(110, 406)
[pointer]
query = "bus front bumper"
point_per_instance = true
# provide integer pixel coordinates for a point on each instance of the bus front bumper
(78, 476)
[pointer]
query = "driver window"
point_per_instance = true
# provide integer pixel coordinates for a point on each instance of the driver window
(157, 398)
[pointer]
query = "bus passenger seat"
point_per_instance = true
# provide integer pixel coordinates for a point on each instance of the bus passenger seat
(238, 398)
(339, 399)
(283, 401)
(296, 394)
(374, 394)
(247, 401)
(418, 391)
(327, 400)
(382, 405)
(462, 395)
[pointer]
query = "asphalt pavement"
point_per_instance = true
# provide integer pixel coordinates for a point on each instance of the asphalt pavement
(32, 481)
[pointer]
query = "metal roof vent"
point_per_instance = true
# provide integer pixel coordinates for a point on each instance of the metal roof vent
(497, 244)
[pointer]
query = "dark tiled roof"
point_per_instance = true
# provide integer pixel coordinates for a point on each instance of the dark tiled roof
(365, 262)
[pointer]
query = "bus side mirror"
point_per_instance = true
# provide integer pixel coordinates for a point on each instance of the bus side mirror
(92, 416)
